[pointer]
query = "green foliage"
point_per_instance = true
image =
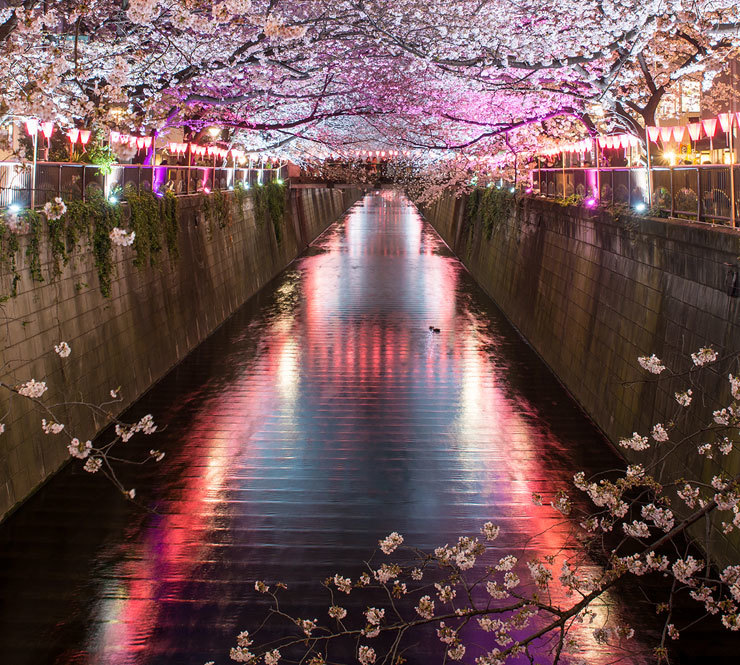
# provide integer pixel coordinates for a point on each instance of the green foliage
(146, 222)
(35, 225)
(492, 206)
(154, 221)
(102, 156)
(240, 194)
(496, 206)
(269, 201)
(8, 249)
(105, 217)
(572, 200)
(215, 207)
(170, 222)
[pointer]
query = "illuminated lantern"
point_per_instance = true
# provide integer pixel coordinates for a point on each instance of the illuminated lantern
(602, 141)
(624, 141)
(678, 133)
(47, 128)
(32, 126)
(123, 138)
(666, 133)
(139, 142)
(710, 126)
(73, 135)
(84, 136)
(694, 130)
(174, 147)
(725, 121)
(589, 144)
(653, 134)
(147, 142)
(633, 139)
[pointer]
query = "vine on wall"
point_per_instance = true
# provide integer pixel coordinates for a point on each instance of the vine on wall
(216, 208)
(492, 206)
(153, 219)
(269, 201)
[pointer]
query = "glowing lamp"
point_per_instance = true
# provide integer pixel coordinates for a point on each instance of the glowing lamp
(123, 138)
(694, 130)
(32, 126)
(624, 141)
(47, 129)
(590, 202)
(641, 206)
(710, 126)
(73, 135)
(603, 141)
(678, 133)
(666, 133)
(14, 208)
(725, 121)
(139, 142)
(653, 134)
(84, 136)
(147, 142)
(173, 147)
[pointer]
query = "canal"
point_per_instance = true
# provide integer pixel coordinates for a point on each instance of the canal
(322, 416)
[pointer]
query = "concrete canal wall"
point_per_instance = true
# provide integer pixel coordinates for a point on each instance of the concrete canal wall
(154, 316)
(591, 293)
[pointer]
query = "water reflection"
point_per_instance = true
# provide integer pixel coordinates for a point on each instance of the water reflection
(324, 415)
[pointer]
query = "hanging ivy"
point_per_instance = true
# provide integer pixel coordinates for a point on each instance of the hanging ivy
(215, 207)
(241, 194)
(170, 223)
(269, 201)
(147, 224)
(9, 247)
(35, 226)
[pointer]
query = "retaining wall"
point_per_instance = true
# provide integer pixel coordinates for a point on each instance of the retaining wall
(591, 293)
(154, 317)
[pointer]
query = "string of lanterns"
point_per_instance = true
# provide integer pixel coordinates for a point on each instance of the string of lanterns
(611, 142)
(694, 129)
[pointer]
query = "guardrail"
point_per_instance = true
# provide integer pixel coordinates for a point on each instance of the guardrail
(701, 192)
(71, 181)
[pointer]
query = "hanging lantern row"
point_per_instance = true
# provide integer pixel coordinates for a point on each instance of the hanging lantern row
(202, 150)
(33, 126)
(79, 135)
(694, 129)
(47, 129)
(350, 154)
(612, 142)
(138, 142)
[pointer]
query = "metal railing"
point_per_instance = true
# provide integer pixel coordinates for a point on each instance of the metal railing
(73, 181)
(700, 192)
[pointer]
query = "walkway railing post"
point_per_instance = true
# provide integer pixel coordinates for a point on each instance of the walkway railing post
(732, 175)
(649, 169)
